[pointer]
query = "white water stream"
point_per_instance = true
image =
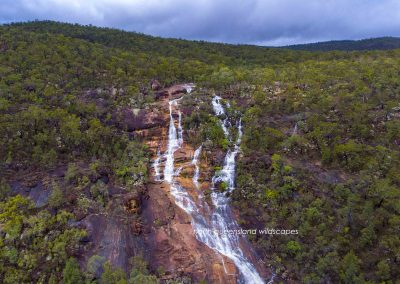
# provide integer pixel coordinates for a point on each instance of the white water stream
(220, 111)
(195, 162)
(294, 132)
(156, 166)
(213, 226)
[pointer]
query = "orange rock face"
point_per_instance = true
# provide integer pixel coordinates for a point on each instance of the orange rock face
(173, 244)
(169, 237)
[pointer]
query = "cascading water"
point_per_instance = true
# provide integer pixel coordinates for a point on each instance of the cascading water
(227, 174)
(219, 111)
(180, 130)
(195, 162)
(222, 219)
(212, 231)
(156, 166)
(174, 142)
(294, 132)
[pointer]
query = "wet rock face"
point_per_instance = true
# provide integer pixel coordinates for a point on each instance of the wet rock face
(169, 237)
(171, 243)
(130, 120)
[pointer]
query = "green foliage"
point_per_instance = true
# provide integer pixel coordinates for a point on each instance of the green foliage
(131, 167)
(72, 173)
(350, 155)
(143, 279)
(293, 247)
(334, 179)
(94, 265)
(71, 272)
(112, 275)
(262, 138)
(56, 198)
(11, 215)
(383, 270)
(222, 78)
(139, 266)
(140, 273)
(296, 144)
(223, 186)
(393, 130)
(349, 45)
(212, 131)
(99, 192)
(350, 271)
(34, 241)
(4, 189)
(196, 53)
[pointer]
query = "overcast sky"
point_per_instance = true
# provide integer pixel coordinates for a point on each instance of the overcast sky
(264, 22)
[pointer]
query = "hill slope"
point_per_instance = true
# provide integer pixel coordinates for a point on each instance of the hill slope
(207, 52)
(381, 43)
(201, 50)
(81, 125)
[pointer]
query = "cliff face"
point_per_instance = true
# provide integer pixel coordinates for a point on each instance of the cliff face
(146, 220)
(172, 244)
(178, 202)
(169, 236)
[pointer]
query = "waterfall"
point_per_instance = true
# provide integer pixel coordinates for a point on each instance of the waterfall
(156, 165)
(189, 87)
(173, 145)
(180, 130)
(220, 111)
(227, 174)
(222, 218)
(195, 162)
(175, 140)
(294, 132)
(211, 231)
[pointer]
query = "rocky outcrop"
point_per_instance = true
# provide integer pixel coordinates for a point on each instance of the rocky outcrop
(163, 233)
(38, 193)
(116, 233)
(136, 119)
(113, 237)
(169, 236)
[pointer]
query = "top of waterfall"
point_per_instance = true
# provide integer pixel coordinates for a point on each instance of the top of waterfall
(189, 87)
(218, 108)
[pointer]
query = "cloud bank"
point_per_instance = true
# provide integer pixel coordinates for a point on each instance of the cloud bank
(264, 22)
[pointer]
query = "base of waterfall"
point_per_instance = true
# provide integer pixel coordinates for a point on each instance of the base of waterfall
(172, 243)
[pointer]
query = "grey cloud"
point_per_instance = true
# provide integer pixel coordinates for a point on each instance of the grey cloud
(266, 22)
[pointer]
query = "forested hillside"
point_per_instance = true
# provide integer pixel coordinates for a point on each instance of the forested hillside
(206, 52)
(382, 43)
(320, 151)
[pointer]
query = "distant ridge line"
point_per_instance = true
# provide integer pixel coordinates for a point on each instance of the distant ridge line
(379, 43)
